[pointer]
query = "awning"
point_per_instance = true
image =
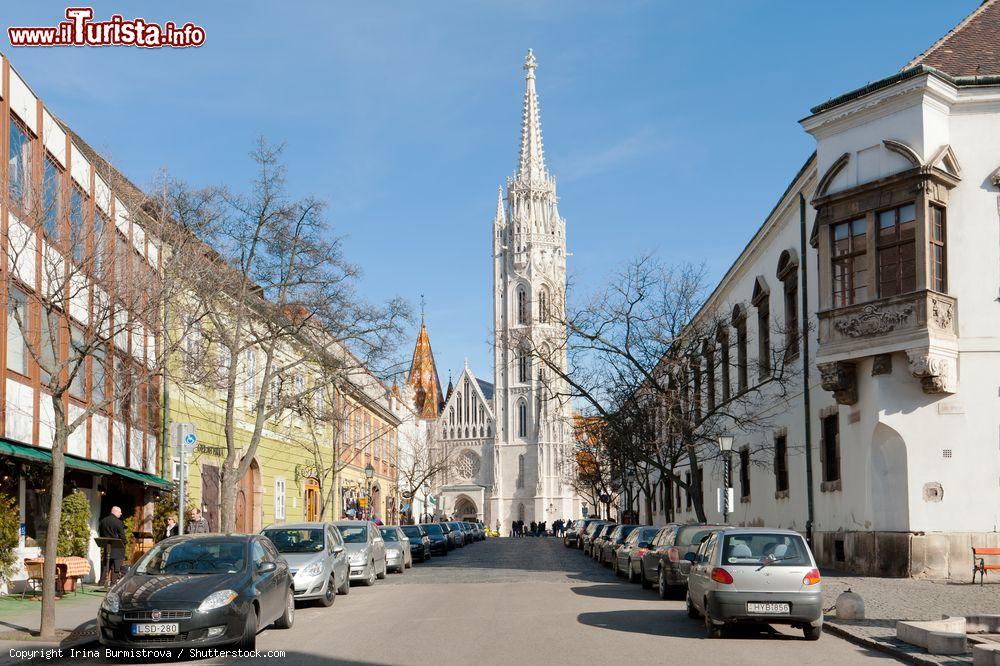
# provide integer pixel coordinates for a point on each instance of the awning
(44, 456)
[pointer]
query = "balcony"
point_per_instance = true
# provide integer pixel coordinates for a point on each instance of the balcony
(923, 324)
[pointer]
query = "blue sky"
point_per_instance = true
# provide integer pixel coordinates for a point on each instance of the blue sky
(670, 126)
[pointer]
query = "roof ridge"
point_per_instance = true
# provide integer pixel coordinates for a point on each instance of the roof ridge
(986, 4)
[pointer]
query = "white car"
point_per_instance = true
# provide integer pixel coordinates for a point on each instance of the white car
(755, 575)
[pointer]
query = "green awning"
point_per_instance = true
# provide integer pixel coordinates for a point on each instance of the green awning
(44, 456)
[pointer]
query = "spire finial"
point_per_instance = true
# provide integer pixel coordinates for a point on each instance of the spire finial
(423, 304)
(531, 164)
(530, 64)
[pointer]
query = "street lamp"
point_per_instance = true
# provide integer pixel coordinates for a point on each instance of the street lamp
(427, 514)
(369, 475)
(726, 446)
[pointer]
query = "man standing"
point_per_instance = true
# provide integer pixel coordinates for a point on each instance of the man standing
(197, 524)
(112, 527)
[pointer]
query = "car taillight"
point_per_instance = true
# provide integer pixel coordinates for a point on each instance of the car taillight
(720, 575)
(811, 578)
(642, 551)
(674, 555)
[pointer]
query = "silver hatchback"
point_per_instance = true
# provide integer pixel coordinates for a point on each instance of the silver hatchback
(365, 550)
(755, 575)
(316, 558)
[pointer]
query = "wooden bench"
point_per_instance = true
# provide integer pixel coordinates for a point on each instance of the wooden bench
(979, 562)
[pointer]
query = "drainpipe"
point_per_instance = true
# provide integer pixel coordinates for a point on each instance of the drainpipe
(807, 411)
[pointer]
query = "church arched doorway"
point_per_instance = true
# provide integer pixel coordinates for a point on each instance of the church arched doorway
(465, 509)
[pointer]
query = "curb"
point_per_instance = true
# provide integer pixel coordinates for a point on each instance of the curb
(878, 646)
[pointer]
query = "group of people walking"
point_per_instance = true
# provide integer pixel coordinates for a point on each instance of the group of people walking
(519, 529)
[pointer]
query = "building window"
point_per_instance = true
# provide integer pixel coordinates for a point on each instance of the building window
(696, 397)
(99, 376)
(897, 261)
(722, 339)
(762, 301)
(523, 365)
(745, 473)
(279, 498)
(781, 463)
(101, 222)
(19, 165)
(740, 324)
(688, 495)
(522, 306)
(77, 223)
(710, 377)
(850, 266)
(51, 186)
(789, 276)
(677, 496)
(543, 307)
(78, 385)
(520, 474)
(830, 448)
(522, 419)
(939, 256)
(17, 323)
(520, 511)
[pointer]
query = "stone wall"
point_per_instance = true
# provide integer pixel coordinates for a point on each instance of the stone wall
(939, 555)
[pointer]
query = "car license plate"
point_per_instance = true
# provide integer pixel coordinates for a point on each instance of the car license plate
(160, 629)
(768, 609)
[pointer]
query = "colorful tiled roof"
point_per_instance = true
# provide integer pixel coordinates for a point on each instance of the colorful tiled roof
(424, 377)
(972, 48)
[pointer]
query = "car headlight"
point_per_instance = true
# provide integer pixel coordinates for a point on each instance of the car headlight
(314, 569)
(217, 600)
(112, 602)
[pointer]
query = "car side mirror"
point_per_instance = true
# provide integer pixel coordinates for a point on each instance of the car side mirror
(266, 567)
(337, 550)
(691, 557)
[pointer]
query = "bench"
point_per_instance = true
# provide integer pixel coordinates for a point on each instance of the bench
(979, 562)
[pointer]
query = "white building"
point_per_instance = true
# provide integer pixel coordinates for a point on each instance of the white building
(903, 273)
(511, 447)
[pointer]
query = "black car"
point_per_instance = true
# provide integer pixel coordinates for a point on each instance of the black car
(455, 539)
(420, 542)
(440, 543)
(199, 590)
(463, 536)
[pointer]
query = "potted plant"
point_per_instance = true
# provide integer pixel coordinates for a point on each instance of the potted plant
(74, 533)
(9, 533)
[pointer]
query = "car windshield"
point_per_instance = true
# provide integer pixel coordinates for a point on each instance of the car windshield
(194, 557)
(625, 531)
(389, 533)
(412, 532)
(296, 541)
(433, 528)
(786, 550)
(647, 533)
(687, 536)
(353, 533)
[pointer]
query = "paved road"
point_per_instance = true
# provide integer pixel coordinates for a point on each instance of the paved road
(520, 602)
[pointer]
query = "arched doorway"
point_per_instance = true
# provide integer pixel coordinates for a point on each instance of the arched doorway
(376, 507)
(465, 509)
(312, 499)
(888, 481)
(248, 495)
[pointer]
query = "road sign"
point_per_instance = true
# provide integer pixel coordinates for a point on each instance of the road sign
(185, 437)
(585, 510)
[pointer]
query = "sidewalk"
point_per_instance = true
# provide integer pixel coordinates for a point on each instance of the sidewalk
(76, 623)
(890, 599)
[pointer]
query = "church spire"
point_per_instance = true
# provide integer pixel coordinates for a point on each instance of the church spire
(423, 377)
(531, 165)
(499, 218)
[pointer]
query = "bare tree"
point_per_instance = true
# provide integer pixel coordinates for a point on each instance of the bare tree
(420, 462)
(87, 283)
(652, 357)
(275, 296)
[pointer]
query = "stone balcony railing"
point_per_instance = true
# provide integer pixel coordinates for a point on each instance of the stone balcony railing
(924, 324)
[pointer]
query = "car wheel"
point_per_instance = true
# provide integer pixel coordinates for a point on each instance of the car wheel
(812, 633)
(385, 568)
(646, 583)
(287, 618)
(331, 592)
(345, 587)
(370, 580)
(712, 630)
(248, 640)
(692, 611)
(662, 586)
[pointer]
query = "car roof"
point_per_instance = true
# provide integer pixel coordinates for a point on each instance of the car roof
(297, 526)
(352, 523)
(736, 531)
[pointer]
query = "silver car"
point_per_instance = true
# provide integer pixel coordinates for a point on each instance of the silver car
(317, 559)
(755, 575)
(397, 549)
(365, 550)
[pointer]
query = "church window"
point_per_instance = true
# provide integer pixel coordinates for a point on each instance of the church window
(451, 415)
(489, 431)
(444, 433)
(468, 465)
(522, 306)
(522, 419)
(459, 403)
(543, 307)
(520, 511)
(523, 366)
(520, 476)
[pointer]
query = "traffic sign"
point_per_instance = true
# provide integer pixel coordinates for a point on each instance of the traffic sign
(185, 437)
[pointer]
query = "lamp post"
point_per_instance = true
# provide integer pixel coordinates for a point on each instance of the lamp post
(726, 446)
(427, 491)
(369, 475)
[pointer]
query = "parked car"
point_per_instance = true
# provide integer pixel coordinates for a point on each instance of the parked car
(365, 550)
(420, 542)
(440, 543)
(455, 539)
(669, 566)
(615, 539)
(462, 532)
(397, 548)
(600, 537)
(755, 575)
(588, 535)
(470, 534)
(628, 556)
(198, 590)
(317, 559)
(571, 535)
(477, 532)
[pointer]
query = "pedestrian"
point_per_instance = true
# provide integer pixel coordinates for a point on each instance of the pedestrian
(534, 528)
(513, 528)
(198, 524)
(171, 526)
(112, 527)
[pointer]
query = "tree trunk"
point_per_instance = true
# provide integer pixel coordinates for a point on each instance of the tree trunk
(696, 487)
(48, 619)
(228, 481)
